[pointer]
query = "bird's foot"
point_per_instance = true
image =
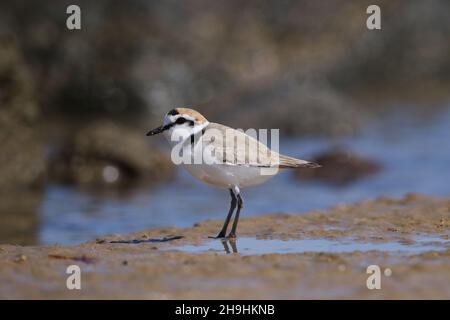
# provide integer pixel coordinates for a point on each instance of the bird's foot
(221, 235)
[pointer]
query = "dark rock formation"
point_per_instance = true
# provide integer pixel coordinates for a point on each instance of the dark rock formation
(22, 158)
(302, 61)
(340, 167)
(105, 154)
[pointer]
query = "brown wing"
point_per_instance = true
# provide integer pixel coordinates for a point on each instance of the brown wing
(289, 162)
(234, 147)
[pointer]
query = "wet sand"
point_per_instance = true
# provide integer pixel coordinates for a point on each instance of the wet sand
(322, 254)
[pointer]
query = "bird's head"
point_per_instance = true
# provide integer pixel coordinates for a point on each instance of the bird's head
(181, 121)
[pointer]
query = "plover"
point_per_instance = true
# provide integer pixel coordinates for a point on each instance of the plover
(222, 156)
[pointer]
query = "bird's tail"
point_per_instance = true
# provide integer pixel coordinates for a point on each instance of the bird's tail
(290, 162)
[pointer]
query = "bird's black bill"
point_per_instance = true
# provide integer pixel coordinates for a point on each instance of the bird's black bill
(158, 130)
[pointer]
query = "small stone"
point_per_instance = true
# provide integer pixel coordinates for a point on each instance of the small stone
(20, 258)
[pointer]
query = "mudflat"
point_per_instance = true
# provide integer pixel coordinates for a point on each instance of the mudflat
(322, 254)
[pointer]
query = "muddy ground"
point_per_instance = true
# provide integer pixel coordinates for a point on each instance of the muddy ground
(416, 225)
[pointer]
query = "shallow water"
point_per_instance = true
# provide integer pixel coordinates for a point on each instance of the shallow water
(414, 151)
(253, 246)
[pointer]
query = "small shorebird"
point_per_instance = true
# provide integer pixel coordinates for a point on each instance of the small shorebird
(225, 165)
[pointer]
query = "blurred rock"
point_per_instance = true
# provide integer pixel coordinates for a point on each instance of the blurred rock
(409, 62)
(22, 158)
(310, 66)
(105, 154)
(309, 109)
(340, 168)
(86, 71)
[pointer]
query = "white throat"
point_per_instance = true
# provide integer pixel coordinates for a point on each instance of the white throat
(180, 133)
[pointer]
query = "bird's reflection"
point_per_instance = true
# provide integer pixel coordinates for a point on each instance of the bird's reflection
(232, 244)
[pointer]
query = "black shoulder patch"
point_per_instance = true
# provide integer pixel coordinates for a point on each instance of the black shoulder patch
(172, 112)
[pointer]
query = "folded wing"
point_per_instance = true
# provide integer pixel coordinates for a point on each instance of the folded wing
(234, 147)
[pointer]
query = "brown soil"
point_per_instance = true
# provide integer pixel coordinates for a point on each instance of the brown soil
(157, 270)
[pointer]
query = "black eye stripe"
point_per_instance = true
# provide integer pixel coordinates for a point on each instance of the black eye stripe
(180, 120)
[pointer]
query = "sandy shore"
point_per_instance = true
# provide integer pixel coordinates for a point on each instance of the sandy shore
(318, 255)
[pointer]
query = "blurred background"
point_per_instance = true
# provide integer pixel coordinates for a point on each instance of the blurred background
(373, 107)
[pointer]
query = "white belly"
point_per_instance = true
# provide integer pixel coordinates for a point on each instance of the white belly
(227, 176)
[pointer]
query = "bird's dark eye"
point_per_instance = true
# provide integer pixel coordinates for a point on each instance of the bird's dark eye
(180, 120)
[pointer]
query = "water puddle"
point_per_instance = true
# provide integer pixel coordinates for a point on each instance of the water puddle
(253, 246)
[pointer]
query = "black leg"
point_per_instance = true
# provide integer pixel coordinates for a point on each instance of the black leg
(230, 213)
(240, 204)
